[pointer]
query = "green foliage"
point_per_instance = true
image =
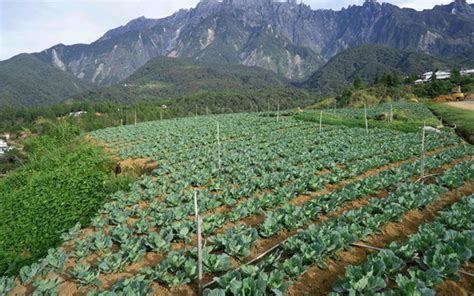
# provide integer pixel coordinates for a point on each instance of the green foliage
(358, 83)
(28, 81)
(369, 62)
(113, 112)
(463, 119)
(6, 284)
(63, 183)
(408, 117)
(433, 89)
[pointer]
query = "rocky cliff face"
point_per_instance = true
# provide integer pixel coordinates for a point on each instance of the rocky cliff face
(283, 36)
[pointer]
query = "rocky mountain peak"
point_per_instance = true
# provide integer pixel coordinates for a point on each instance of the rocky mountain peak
(461, 6)
(458, 7)
(279, 35)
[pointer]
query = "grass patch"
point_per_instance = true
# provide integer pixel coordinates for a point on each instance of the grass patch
(405, 125)
(64, 181)
(463, 119)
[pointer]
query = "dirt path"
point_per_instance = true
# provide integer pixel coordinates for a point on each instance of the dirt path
(466, 105)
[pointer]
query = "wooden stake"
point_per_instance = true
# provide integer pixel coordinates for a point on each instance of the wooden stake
(135, 117)
(278, 112)
(218, 147)
(391, 113)
(196, 110)
(366, 121)
(422, 160)
(199, 242)
(321, 121)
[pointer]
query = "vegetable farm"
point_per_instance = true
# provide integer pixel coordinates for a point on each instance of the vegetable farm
(286, 208)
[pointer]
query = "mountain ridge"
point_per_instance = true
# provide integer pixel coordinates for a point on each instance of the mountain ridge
(368, 62)
(297, 39)
(28, 81)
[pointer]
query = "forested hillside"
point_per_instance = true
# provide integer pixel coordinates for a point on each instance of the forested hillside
(27, 81)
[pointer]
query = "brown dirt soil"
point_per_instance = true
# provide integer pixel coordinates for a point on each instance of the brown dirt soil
(138, 166)
(464, 287)
(151, 258)
(319, 282)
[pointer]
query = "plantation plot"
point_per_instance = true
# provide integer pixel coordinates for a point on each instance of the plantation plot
(263, 184)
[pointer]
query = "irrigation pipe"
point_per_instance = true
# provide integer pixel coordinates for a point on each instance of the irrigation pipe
(250, 262)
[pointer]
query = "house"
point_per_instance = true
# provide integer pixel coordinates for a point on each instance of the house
(440, 75)
(419, 81)
(3, 146)
(469, 72)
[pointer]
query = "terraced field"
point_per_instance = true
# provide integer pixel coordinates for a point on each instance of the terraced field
(286, 208)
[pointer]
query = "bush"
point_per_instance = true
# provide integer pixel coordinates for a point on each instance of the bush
(64, 182)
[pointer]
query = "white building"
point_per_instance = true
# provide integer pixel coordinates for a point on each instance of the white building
(440, 75)
(3, 146)
(443, 75)
(469, 72)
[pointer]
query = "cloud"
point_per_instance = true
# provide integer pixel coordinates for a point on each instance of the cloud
(34, 25)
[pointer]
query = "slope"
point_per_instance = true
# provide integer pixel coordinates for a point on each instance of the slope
(28, 81)
(288, 38)
(165, 77)
(367, 62)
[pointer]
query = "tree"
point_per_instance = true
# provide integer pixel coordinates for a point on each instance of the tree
(376, 79)
(358, 84)
(455, 76)
(345, 98)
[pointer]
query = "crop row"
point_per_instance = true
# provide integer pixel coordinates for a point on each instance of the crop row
(132, 248)
(315, 244)
(437, 251)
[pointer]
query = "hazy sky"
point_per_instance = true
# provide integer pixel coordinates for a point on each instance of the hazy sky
(34, 25)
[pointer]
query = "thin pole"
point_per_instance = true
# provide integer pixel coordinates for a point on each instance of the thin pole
(218, 147)
(321, 121)
(422, 160)
(196, 110)
(199, 242)
(278, 112)
(207, 110)
(335, 106)
(391, 113)
(161, 114)
(366, 121)
(135, 117)
(268, 106)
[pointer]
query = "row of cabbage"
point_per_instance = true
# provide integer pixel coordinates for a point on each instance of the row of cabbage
(316, 244)
(166, 222)
(404, 109)
(179, 267)
(436, 252)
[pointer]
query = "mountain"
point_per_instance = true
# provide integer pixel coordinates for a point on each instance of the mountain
(285, 37)
(27, 81)
(165, 77)
(368, 61)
